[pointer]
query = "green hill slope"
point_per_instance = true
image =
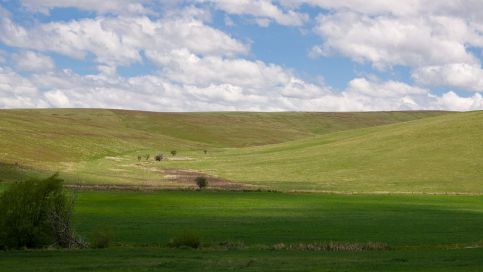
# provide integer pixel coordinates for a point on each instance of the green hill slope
(440, 154)
(347, 152)
(31, 137)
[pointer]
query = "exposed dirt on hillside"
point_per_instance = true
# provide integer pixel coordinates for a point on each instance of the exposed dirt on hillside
(185, 179)
(170, 179)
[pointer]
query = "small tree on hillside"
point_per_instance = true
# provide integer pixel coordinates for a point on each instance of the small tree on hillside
(173, 152)
(201, 182)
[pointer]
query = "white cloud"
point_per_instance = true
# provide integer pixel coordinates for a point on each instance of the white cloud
(199, 68)
(17, 91)
(120, 40)
(384, 89)
(154, 92)
(452, 101)
(387, 41)
(57, 99)
(101, 7)
(430, 37)
(471, 9)
(462, 75)
(185, 67)
(32, 61)
(264, 11)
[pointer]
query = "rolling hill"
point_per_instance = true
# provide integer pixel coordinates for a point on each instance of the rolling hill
(440, 154)
(340, 152)
(65, 135)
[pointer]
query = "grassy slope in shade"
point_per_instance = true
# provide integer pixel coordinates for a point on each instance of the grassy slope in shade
(441, 154)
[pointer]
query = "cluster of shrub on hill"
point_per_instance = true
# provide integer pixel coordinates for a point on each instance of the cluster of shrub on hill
(160, 157)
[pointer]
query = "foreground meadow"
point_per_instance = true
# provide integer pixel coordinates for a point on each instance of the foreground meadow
(244, 230)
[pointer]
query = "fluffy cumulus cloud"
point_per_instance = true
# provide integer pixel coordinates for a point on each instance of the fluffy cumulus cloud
(431, 37)
(198, 67)
(158, 93)
(262, 11)
(33, 62)
(466, 76)
(101, 7)
(119, 40)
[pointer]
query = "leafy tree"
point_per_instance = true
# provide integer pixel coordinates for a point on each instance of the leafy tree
(201, 182)
(36, 213)
(173, 152)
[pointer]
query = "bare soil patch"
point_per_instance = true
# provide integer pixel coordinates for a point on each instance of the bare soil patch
(169, 179)
(185, 178)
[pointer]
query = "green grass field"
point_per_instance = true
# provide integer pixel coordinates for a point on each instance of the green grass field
(425, 233)
(437, 154)
(441, 154)
(411, 180)
(432, 152)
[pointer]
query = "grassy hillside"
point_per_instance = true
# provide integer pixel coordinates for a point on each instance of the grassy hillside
(61, 139)
(441, 154)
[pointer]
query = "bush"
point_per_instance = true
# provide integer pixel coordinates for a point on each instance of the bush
(101, 238)
(201, 182)
(185, 239)
(36, 213)
(173, 152)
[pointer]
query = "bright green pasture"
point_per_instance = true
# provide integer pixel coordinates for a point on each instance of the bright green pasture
(426, 233)
(268, 218)
(440, 154)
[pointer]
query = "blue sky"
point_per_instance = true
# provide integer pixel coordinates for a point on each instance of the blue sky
(257, 55)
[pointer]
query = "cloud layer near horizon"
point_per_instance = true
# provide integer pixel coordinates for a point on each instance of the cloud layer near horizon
(198, 67)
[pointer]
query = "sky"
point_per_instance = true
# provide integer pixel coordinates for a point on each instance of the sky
(242, 55)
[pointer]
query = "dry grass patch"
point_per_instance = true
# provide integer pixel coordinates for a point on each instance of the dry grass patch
(332, 246)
